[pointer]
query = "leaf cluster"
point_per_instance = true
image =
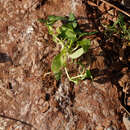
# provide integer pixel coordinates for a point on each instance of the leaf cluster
(73, 45)
(119, 28)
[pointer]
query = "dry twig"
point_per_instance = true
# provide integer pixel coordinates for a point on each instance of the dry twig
(23, 122)
(111, 5)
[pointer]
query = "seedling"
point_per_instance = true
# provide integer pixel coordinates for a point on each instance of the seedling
(73, 46)
(119, 28)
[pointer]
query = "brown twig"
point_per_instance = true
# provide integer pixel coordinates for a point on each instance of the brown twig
(23, 122)
(111, 5)
(125, 109)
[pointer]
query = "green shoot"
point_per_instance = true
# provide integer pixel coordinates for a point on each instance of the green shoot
(73, 46)
(119, 27)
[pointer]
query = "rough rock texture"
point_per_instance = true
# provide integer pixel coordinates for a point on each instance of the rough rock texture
(97, 110)
(29, 96)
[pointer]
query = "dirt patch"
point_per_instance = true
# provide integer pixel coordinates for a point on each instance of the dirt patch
(31, 98)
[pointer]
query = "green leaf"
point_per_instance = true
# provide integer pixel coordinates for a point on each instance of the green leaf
(74, 24)
(81, 34)
(70, 34)
(63, 28)
(71, 17)
(55, 18)
(88, 74)
(74, 81)
(66, 33)
(58, 75)
(52, 19)
(57, 63)
(85, 44)
(121, 20)
(62, 34)
(42, 20)
(124, 29)
(69, 25)
(77, 53)
(50, 30)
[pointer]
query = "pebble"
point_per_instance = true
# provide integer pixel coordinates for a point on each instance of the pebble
(45, 107)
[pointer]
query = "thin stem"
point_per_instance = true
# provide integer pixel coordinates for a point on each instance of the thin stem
(78, 76)
(67, 74)
(74, 81)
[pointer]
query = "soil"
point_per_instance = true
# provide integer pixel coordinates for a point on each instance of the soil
(31, 98)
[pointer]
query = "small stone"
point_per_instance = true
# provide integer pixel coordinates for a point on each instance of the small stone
(111, 128)
(41, 101)
(99, 128)
(126, 122)
(46, 36)
(45, 107)
(29, 30)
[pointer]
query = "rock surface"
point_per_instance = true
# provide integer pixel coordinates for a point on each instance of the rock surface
(30, 98)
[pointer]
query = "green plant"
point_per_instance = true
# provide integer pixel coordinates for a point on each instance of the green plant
(119, 28)
(73, 45)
